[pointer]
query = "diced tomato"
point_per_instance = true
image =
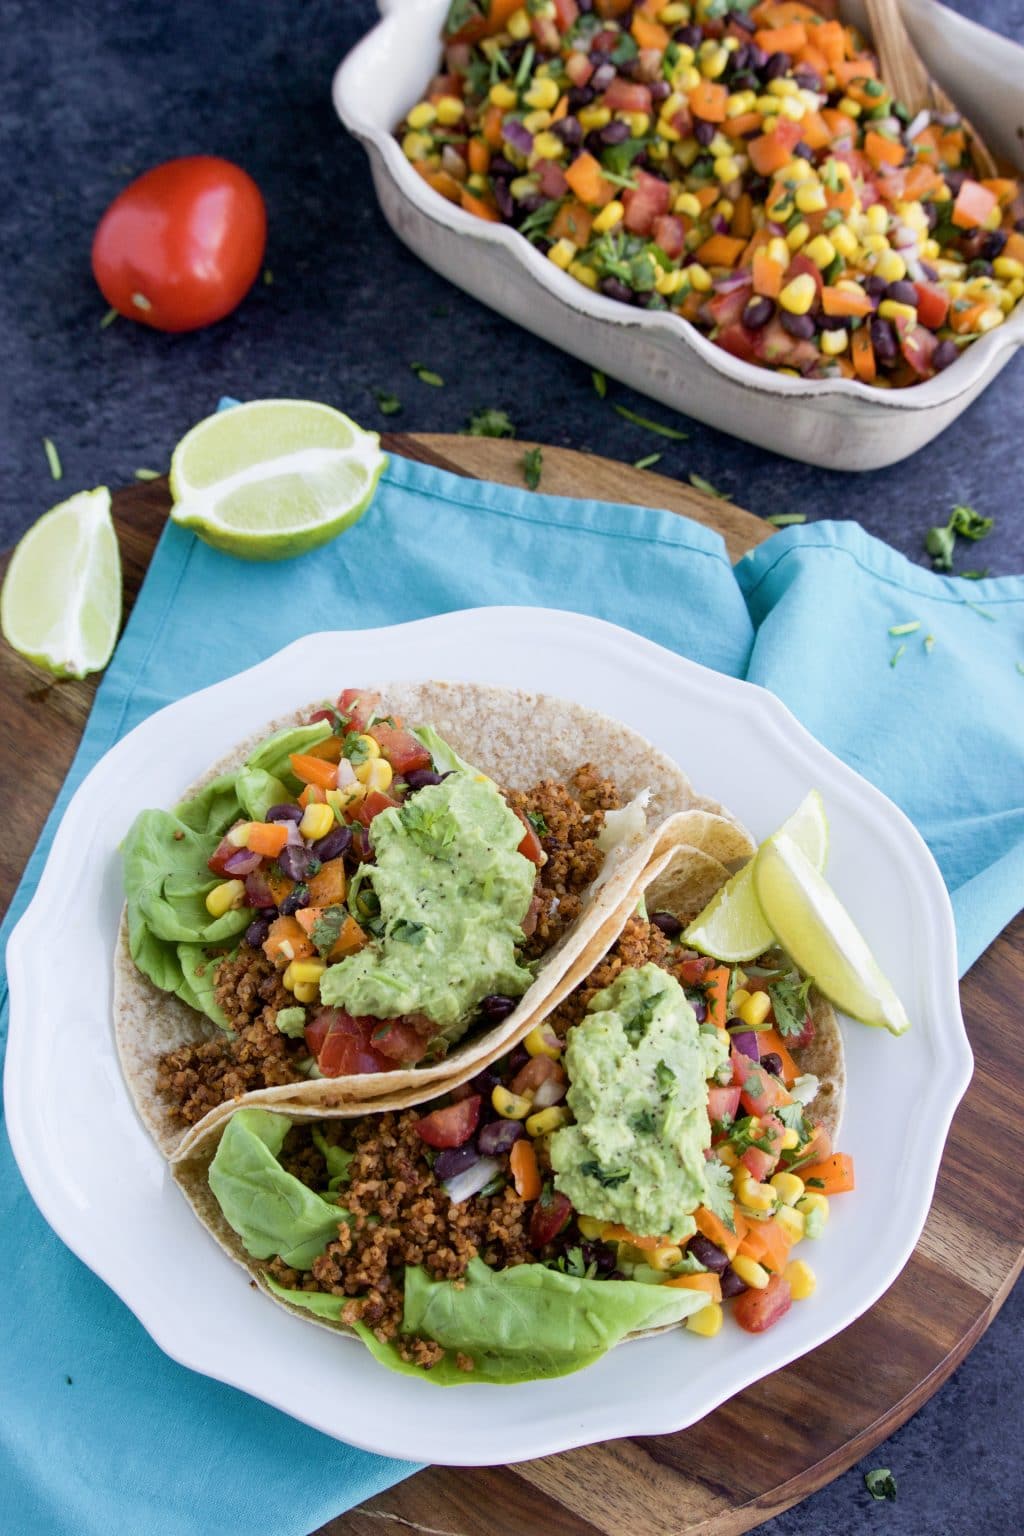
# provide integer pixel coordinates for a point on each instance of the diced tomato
(819, 1148)
(624, 96)
(694, 969)
(370, 806)
(974, 203)
(668, 233)
(917, 346)
(551, 180)
(402, 1040)
(761, 1164)
(402, 750)
(775, 346)
(530, 847)
(726, 309)
(545, 34)
(932, 305)
(579, 68)
(759, 1091)
(452, 1126)
(740, 342)
(566, 12)
(644, 202)
(539, 1069)
(217, 861)
(358, 705)
(339, 1043)
(549, 1217)
(723, 1103)
(757, 1310)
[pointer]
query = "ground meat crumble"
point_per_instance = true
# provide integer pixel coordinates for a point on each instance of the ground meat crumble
(398, 1214)
(196, 1078)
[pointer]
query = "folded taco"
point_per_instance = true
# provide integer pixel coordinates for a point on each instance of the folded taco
(365, 899)
(652, 1148)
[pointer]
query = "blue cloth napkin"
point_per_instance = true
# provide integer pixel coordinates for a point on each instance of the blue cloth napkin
(98, 1430)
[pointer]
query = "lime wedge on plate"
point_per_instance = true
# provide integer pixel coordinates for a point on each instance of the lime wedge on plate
(820, 936)
(61, 599)
(732, 926)
(274, 478)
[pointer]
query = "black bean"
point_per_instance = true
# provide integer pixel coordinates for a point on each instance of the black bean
(758, 57)
(902, 292)
(504, 199)
(954, 180)
(738, 61)
(660, 90)
(499, 166)
(778, 64)
(580, 96)
(257, 932)
(772, 1063)
(833, 322)
(883, 340)
(690, 36)
(333, 845)
(931, 214)
(806, 78)
(745, 80)
(614, 132)
(499, 1136)
(495, 1007)
(757, 313)
(945, 353)
(669, 924)
(803, 151)
(284, 813)
(708, 1253)
(569, 131)
(800, 326)
(732, 1285)
(586, 6)
(297, 898)
(527, 205)
(874, 287)
(601, 1254)
(704, 132)
(420, 778)
(979, 268)
(615, 289)
(517, 1057)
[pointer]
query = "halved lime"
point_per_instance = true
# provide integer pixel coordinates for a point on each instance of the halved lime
(274, 478)
(61, 599)
(820, 936)
(732, 926)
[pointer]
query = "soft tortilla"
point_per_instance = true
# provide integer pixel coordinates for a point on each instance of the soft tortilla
(518, 738)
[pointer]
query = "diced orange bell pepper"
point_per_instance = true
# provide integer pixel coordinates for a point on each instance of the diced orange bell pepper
(708, 100)
(327, 888)
(844, 301)
(708, 1282)
(587, 181)
(974, 204)
(313, 770)
(525, 1173)
(267, 838)
(286, 942)
(832, 1176)
(768, 274)
(720, 251)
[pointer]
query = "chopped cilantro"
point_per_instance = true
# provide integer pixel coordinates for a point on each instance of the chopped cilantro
(109, 318)
(650, 426)
(719, 1198)
(941, 541)
(533, 464)
(636, 1027)
(525, 65)
(905, 629)
(644, 1122)
(981, 612)
(880, 1483)
(608, 1177)
(665, 1079)
(793, 1118)
(975, 575)
(789, 1003)
(625, 50)
(536, 224)
(487, 422)
(897, 653)
(327, 928)
(537, 822)
(815, 1183)
(53, 459)
(409, 932)
(427, 375)
(387, 403)
(355, 749)
(147, 474)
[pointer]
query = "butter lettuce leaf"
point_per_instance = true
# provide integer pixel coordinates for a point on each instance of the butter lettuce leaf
(271, 756)
(445, 758)
(258, 790)
(271, 1210)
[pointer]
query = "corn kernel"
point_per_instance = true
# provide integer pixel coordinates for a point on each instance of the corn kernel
(1008, 267)
(798, 235)
(288, 979)
(740, 994)
(700, 278)
(672, 15)
(306, 971)
(611, 214)
(542, 93)
(562, 253)
(755, 1196)
(685, 203)
(224, 897)
(994, 219)
(422, 115)
(792, 1221)
(450, 111)
(815, 1210)
(989, 319)
(416, 146)
(849, 107)
(802, 1279)
(306, 992)
(793, 108)
(591, 1228)
(930, 249)
(788, 1186)
(317, 821)
(778, 250)
(639, 123)
(889, 309)
(728, 1155)
(340, 800)
(503, 96)
(657, 150)
(756, 1009)
(547, 1120)
(726, 169)
(665, 1258)
(510, 1106)
(875, 244)
(583, 274)
(810, 197)
(790, 1140)
(878, 218)
(590, 118)
(750, 1272)
(376, 774)
(833, 342)
(782, 87)
(548, 146)
(535, 122)
(844, 240)
(668, 283)
(891, 267)
(1015, 288)
(739, 103)
(518, 25)
(798, 296)
(714, 63)
(707, 1322)
(821, 251)
(724, 207)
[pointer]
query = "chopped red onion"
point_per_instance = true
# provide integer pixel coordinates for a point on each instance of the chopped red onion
(513, 132)
(241, 863)
(472, 1180)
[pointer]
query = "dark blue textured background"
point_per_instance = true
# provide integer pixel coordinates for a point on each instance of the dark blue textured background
(92, 94)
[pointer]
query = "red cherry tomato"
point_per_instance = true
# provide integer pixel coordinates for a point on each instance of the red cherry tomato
(452, 1126)
(550, 1215)
(757, 1310)
(530, 847)
(339, 1043)
(180, 247)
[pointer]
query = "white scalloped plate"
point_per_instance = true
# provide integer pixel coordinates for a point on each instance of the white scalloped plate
(103, 1187)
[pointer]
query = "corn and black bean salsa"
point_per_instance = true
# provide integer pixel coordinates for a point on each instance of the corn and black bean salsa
(745, 169)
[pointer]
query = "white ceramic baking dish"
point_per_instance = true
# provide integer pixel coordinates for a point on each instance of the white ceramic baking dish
(841, 424)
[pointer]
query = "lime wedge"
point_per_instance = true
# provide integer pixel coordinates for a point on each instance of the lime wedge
(274, 478)
(732, 926)
(820, 936)
(61, 599)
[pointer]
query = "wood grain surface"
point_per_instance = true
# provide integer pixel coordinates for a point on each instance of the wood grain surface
(725, 1474)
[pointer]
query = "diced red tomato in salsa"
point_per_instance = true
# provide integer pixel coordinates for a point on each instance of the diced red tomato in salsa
(757, 1310)
(341, 1046)
(760, 1164)
(451, 1126)
(759, 1091)
(370, 806)
(359, 706)
(644, 202)
(723, 1103)
(401, 748)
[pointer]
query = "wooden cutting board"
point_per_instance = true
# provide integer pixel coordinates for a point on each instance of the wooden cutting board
(791, 1433)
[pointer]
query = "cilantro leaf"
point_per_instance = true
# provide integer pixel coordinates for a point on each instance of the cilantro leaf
(700, 484)
(940, 542)
(538, 823)
(487, 422)
(533, 463)
(665, 1079)
(327, 928)
(644, 1122)
(649, 425)
(880, 1483)
(427, 375)
(786, 519)
(789, 1003)
(608, 1177)
(355, 749)
(600, 383)
(408, 932)
(718, 1199)
(387, 403)
(636, 1027)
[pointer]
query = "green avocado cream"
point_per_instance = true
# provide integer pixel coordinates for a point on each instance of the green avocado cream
(453, 892)
(637, 1069)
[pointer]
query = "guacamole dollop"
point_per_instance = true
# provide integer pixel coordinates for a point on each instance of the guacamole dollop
(636, 1066)
(453, 891)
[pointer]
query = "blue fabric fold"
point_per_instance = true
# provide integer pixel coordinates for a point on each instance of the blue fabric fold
(142, 1444)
